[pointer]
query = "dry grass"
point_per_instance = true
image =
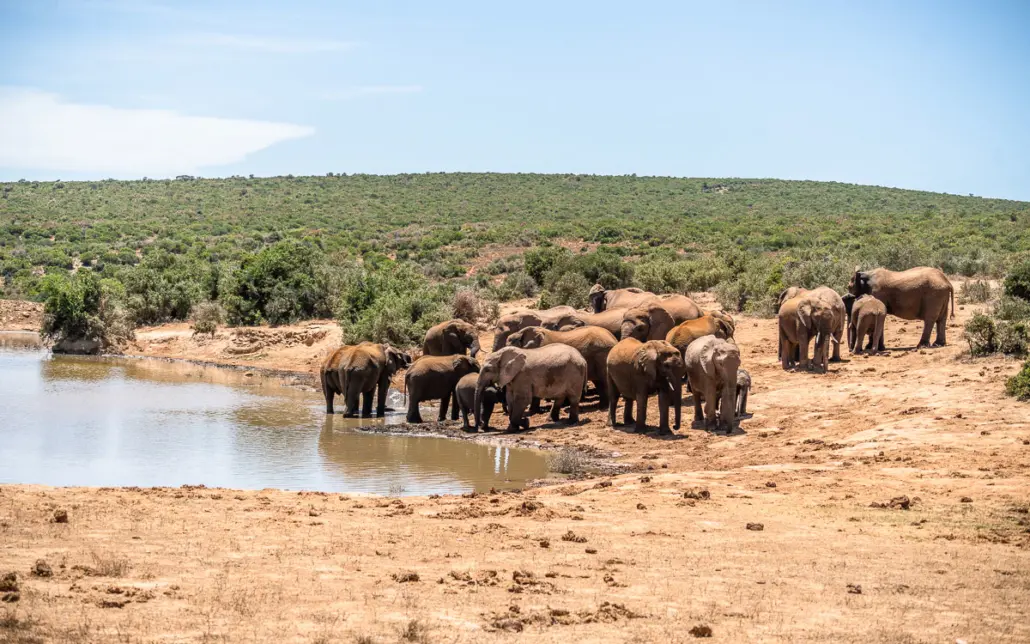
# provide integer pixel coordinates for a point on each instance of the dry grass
(567, 461)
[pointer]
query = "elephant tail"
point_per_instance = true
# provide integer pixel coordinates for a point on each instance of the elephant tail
(952, 302)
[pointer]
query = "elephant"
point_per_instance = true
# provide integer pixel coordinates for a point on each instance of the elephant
(800, 319)
(435, 378)
(638, 369)
(680, 307)
(354, 370)
(866, 317)
(712, 365)
(621, 298)
(609, 320)
(920, 293)
(555, 371)
(834, 301)
(465, 391)
(450, 338)
(592, 342)
(743, 389)
(715, 323)
(558, 317)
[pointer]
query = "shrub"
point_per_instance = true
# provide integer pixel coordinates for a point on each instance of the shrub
(502, 265)
(539, 261)
(467, 305)
(1012, 338)
(980, 333)
(1019, 384)
(1017, 282)
(162, 287)
(1012, 309)
(974, 292)
(206, 317)
(515, 286)
(279, 285)
(83, 307)
(571, 289)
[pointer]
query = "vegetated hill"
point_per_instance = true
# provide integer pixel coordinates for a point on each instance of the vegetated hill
(445, 218)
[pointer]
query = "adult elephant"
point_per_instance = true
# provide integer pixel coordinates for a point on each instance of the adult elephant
(610, 320)
(715, 323)
(831, 299)
(592, 342)
(920, 293)
(602, 299)
(653, 319)
(557, 317)
(638, 370)
(358, 370)
(801, 319)
(453, 337)
(435, 378)
(712, 364)
(556, 371)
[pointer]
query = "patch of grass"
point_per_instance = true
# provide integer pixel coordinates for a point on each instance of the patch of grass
(109, 565)
(567, 461)
(1019, 384)
(981, 334)
(415, 631)
(974, 292)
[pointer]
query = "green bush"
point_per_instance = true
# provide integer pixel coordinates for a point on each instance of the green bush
(539, 261)
(279, 284)
(981, 334)
(571, 289)
(1019, 384)
(1012, 309)
(974, 292)
(515, 286)
(1017, 282)
(83, 307)
(1012, 338)
(163, 287)
(206, 316)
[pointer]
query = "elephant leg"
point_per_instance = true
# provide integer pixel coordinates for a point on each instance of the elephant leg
(366, 403)
(838, 334)
(444, 402)
(518, 419)
(602, 392)
(785, 350)
(677, 402)
(924, 340)
(328, 392)
(488, 410)
(627, 411)
(556, 409)
(465, 419)
(742, 408)
(573, 410)
(942, 328)
(454, 405)
(613, 402)
(414, 416)
(877, 341)
(803, 349)
(698, 415)
(663, 412)
(711, 397)
(353, 394)
(382, 391)
(641, 425)
(534, 407)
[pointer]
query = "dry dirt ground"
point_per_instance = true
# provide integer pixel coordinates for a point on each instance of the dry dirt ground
(886, 501)
(16, 315)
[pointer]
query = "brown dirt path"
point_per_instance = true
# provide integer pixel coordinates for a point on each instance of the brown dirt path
(949, 562)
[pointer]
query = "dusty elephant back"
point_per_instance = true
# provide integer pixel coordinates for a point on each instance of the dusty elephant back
(625, 298)
(680, 307)
(588, 340)
(610, 320)
(563, 371)
(917, 293)
(685, 333)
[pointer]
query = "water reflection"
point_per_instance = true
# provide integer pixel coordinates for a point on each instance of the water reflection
(105, 421)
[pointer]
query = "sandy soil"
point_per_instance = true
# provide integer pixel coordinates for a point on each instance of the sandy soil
(773, 534)
(16, 315)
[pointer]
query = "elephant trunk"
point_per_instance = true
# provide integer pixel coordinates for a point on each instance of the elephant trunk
(474, 349)
(728, 405)
(499, 339)
(677, 401)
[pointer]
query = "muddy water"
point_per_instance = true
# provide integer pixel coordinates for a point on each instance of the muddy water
(113, 422)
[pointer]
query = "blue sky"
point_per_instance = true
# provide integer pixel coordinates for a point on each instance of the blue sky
(924, 95)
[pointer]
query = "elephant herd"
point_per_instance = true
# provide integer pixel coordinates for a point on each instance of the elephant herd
(632, 345)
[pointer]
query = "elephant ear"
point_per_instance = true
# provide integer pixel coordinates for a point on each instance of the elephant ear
(511, 364)
(725, 328)
(805, 314)
(647, 361)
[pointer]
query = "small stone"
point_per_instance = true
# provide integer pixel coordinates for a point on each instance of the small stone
(591, 551)
(770, 484)
(405, 577)
(700, 494)
(641, 506)
(545, 543)
(60, 516)
(9, 583)
(965, 499)
(757, 527)
(42, 569)
(665, 466)
(855, 589)
(701, 630)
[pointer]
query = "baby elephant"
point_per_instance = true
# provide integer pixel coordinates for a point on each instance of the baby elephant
(435, 378)
(866, 317)
(743, 388)
(466, 394)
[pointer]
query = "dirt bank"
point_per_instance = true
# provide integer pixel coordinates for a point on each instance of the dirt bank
(886, 501)
(17, 315)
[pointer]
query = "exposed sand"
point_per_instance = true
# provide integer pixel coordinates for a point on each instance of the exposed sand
(17, 315)
(624, 558)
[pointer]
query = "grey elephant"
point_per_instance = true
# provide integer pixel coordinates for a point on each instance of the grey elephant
(866, 318)
(556, 371)
(638, 370)
(601, 299)
(712, 364)
(451, 338)
(802, 319)
(355, 371)
(593, 343)
(435, 378)
(920, 293)
(831, 299)
(465, 392)
(610, 320)
(558, 317)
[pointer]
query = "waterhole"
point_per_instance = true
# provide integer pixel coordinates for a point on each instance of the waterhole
(83, 421)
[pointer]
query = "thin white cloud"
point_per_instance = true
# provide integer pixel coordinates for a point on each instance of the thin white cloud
(370, 90)
(40, 131)
(272, 45)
